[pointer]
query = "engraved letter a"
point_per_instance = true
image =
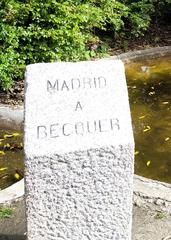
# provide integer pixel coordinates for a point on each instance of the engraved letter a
(78, 106)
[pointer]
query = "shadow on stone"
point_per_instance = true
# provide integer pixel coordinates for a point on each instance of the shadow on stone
(12, 237)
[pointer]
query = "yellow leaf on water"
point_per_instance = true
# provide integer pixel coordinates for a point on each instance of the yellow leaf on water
(8, 136)
(2, 153)
(141, 117)
(3, 177)
(7, 145)
(151, 93)
(167, 139)
(148, 163)
(1, 139)
(17, 176)
(16, 134)
(136, 153)
(3, 169)
(165, 103)
(147, 129)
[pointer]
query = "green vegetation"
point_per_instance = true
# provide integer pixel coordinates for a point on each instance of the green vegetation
(160, 215)
(50, 30)
(6, 212)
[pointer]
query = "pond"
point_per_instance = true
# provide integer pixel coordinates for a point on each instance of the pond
(11, 157)
(149, 86)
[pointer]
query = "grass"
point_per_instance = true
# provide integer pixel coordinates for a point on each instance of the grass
(6, 212)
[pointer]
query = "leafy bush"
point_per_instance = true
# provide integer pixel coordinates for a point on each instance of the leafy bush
(50, 30)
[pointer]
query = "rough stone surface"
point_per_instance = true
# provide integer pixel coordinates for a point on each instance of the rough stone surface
(79, 152)
(147, 225)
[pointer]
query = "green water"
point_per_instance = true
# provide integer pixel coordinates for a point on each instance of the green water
(149, 86)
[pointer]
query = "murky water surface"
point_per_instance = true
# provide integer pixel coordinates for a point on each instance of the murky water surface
(149, 85)
(11, 157)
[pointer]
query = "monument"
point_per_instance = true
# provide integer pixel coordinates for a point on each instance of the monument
(79, 151)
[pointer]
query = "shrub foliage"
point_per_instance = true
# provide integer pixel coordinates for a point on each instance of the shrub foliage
(50, 30)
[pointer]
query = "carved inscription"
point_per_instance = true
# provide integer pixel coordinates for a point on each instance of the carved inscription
(79, 128)
(76, 84)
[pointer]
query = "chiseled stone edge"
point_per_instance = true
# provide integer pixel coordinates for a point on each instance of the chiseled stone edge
(146, 191)
(152, 194)
(145, 187)
(143, 54)
(13, 193)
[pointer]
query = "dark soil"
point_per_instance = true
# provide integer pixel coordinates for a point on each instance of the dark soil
(157, 36)
(14, 96)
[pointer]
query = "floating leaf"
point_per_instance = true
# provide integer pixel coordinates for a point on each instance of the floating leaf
(167, 139)
(8, 136)
(4, 177)
(136, 153)
(17, 176)
(16, 134)
(3, 169)
(2, 153)
(145, 68)
(141, 117)
(7, 146)
(147, 129)
(151, 93)
(148, 163)
(165, 103)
